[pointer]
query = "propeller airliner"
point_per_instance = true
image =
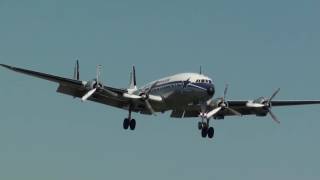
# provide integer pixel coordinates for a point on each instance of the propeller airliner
(185, 95)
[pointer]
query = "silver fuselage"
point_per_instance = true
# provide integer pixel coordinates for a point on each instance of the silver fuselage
(181, 90)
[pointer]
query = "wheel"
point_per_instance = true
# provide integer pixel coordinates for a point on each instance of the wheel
(132, 124)
(199, 125)
(204, 132)
(126, 123)
(210, 132)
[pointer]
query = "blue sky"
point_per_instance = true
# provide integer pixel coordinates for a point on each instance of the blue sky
(255, 46)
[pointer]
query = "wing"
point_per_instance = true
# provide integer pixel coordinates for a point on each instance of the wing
(239, 106)
(48, 77)
(107, 95)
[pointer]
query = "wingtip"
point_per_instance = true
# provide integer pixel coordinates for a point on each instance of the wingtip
(6, 66)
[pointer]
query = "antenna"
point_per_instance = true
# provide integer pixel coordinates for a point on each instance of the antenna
(200, 69)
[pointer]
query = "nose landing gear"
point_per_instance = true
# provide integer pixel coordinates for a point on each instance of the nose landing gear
(206, 131)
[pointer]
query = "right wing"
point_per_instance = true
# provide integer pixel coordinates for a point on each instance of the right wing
(48, 77)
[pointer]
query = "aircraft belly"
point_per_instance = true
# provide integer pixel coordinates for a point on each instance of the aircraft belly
(180, 99)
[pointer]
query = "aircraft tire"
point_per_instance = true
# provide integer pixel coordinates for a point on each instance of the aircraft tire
(126, 123)
(204, 132)
(200, 125)
(210, 132)
(132, 124)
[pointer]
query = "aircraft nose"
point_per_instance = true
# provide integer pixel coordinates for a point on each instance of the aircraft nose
(210, 90)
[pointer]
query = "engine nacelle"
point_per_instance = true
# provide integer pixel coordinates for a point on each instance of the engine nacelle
(260, 100)
(93, 84)
(216, 102)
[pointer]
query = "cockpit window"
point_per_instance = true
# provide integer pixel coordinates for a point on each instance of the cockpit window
(202, 80)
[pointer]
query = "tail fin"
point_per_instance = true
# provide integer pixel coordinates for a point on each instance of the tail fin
(98, 78)
(76, 73)
(133, 80)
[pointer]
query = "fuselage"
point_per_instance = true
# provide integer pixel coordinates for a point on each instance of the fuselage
(181, 90)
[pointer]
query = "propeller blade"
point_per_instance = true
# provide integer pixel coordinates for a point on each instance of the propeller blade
(274, 117)
(225, 91)
(234, 111)
(213, 112)
(89, 94)
(274, 94)
(150, 107)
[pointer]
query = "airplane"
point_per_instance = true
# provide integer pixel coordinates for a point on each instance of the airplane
(185, 95)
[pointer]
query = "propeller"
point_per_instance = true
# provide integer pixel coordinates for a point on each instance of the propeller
(146, 96)
(223, 104)
(96, 85)
(88, 94)
(267, 104)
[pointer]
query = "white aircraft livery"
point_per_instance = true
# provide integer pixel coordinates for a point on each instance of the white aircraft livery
(185, 95)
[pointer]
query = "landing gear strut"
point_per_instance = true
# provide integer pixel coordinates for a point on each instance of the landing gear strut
(129, 122)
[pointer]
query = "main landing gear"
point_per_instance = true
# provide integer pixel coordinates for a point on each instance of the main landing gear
(206, 131)
(129, 122)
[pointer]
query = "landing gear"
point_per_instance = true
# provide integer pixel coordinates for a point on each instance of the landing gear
(128, 122)
(132, 124)
(206, 131)
(210, 132)
(200, 125)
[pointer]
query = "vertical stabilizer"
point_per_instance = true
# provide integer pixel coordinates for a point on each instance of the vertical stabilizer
(133, 80)
(76, 73)
(98, 78)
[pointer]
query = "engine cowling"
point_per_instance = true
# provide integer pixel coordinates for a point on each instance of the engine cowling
(93, 84)
(260, 100)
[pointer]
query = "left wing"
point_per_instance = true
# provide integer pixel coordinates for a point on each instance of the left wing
(243, 107)
(219, 108)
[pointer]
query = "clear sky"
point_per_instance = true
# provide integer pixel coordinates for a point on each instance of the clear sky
(255, 46)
